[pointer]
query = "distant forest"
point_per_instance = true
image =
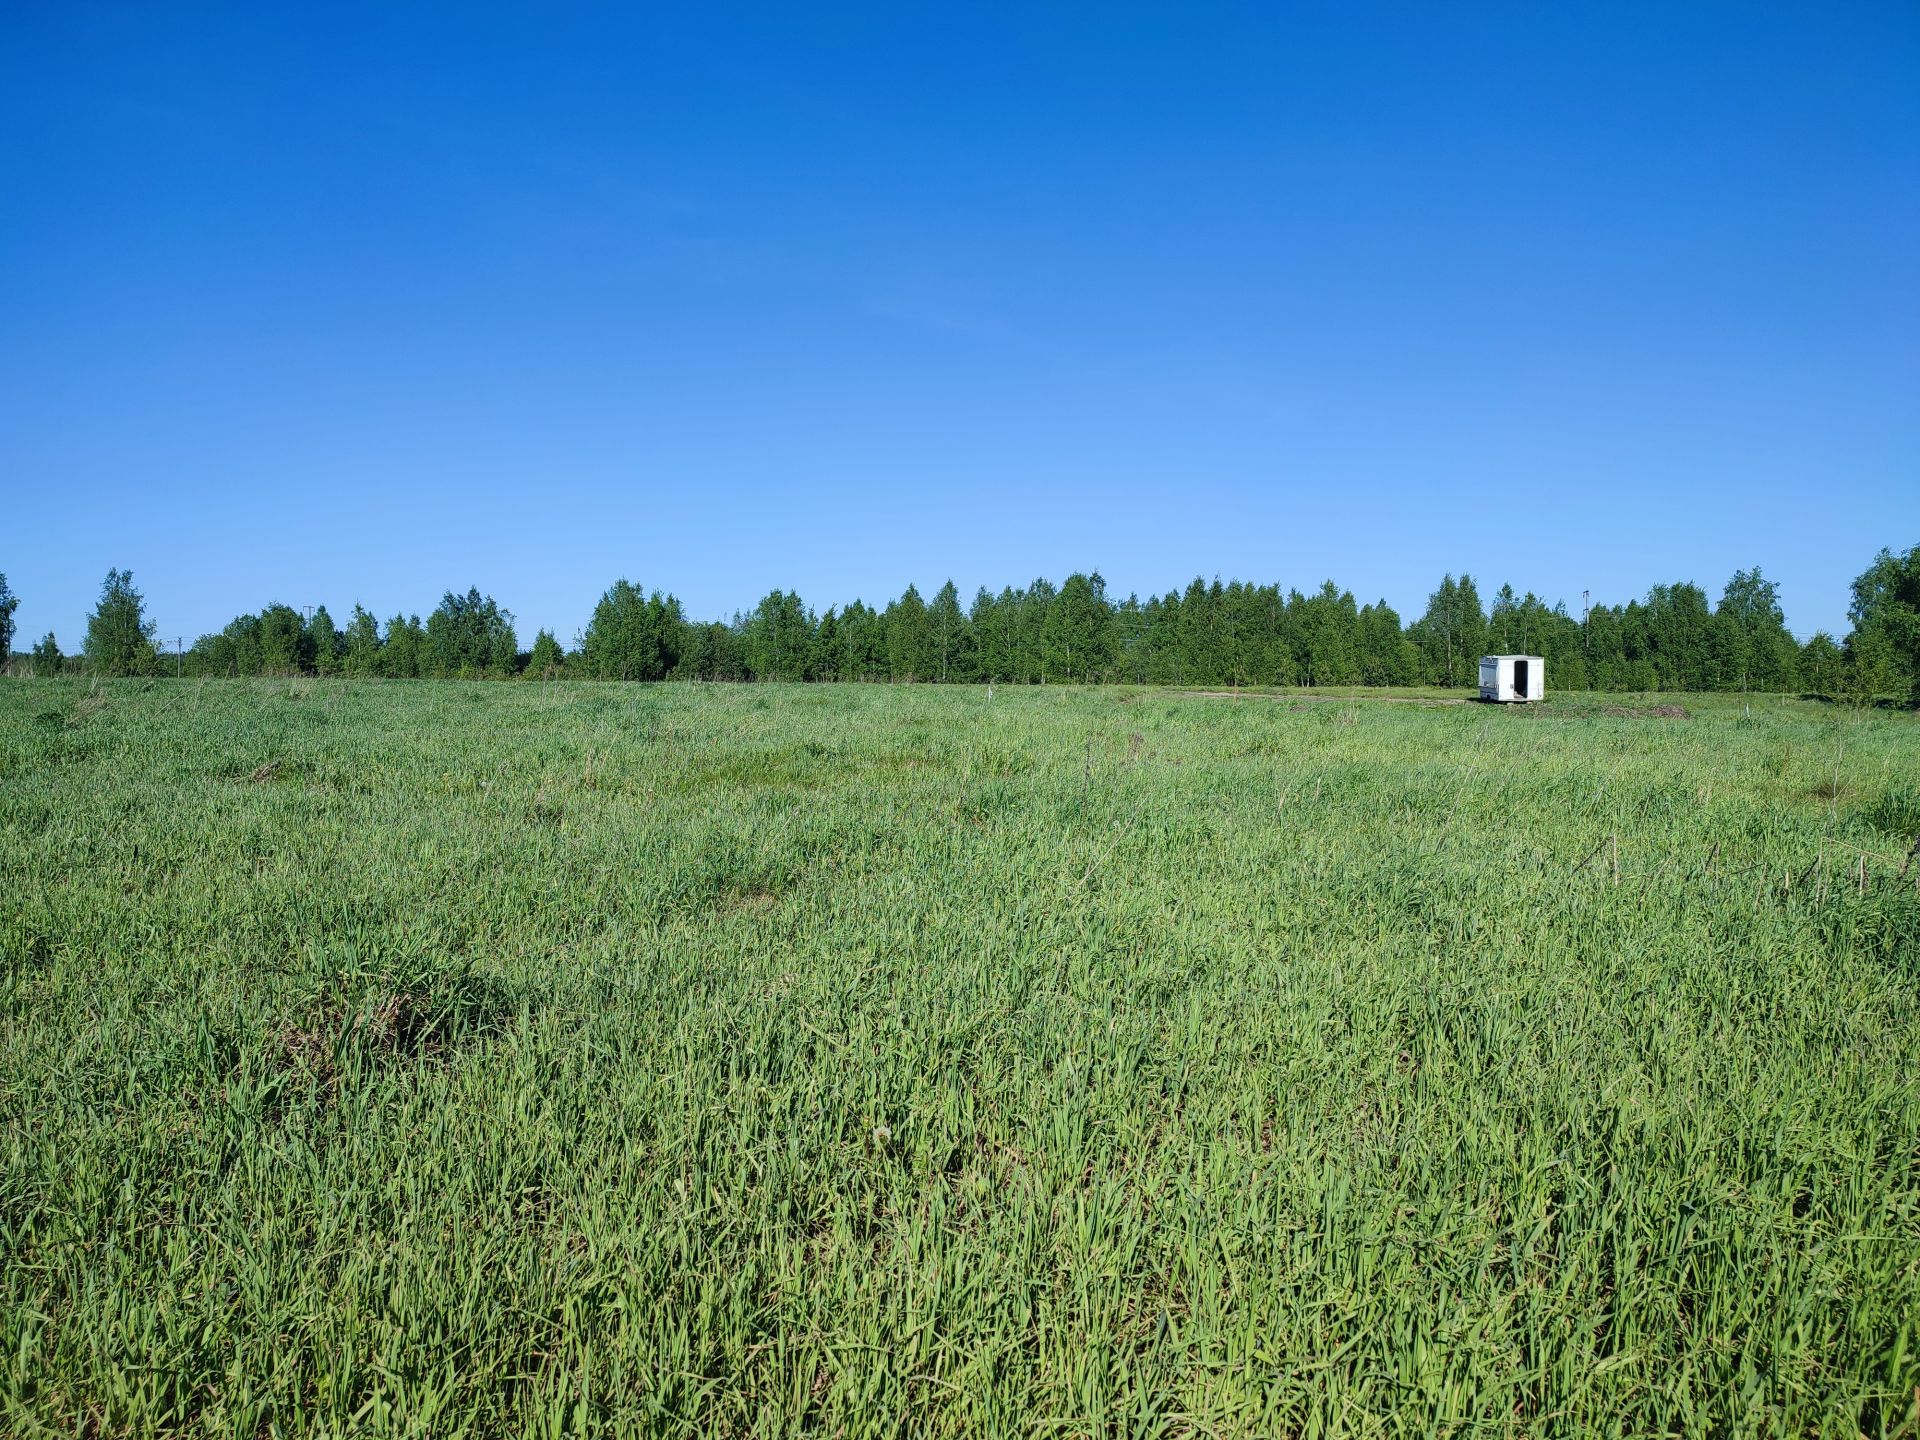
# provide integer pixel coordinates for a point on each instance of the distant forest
(1210, 634)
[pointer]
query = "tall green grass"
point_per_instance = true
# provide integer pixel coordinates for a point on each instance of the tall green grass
(443, 1060)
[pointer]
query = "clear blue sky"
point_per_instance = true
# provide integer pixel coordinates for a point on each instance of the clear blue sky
(329, 303)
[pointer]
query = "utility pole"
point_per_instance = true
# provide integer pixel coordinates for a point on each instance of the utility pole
(179, 654)
(1586, 642)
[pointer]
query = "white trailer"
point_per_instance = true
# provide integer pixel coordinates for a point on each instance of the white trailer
(1512, 678)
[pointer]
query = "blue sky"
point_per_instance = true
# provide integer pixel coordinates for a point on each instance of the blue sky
(338, 303)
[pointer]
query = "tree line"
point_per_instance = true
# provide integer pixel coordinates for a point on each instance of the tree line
(1209, 634)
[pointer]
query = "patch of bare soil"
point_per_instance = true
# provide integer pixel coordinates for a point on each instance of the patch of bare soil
(1586, 710)
(1646, 712)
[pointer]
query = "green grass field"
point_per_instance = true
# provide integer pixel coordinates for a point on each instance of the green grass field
(451, 1059)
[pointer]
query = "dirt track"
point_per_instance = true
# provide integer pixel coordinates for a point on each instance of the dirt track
(1426, 700)
(1540, 708)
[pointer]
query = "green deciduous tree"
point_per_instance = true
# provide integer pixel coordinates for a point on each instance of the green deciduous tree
(1823, 666)
(1749, 641)
(9, 602)
(712, 653)
(1677, 637)
(234, 651)
(546, 659)
(1874, 668)
(1452, 635)
(46, 656)
(470, 637)
(949, 635)
(1329, 626)
(1033, 651)
(284, 646)
(1079, 627)
(990, 621)
(1386, 657)
(362, 649)
(778, 637)
(1884, 644)
(633, 635)
(404, 655)
(323, 643)
(1195, 657)
(910, 653)
(119, 634)
(860, 641)
(824, 659)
